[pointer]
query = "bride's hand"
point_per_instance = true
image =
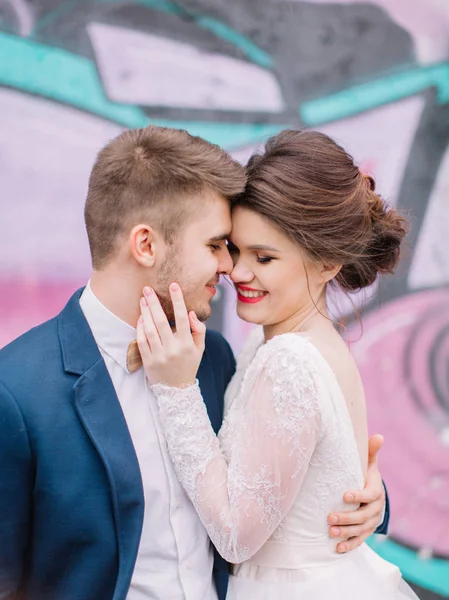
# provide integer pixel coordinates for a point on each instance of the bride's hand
(171, 358)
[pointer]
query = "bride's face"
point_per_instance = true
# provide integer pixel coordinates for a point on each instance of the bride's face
(275, 282)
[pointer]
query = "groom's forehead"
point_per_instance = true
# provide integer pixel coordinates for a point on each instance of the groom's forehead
(212, 218)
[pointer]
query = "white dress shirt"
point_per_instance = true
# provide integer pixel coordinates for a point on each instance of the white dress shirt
(175, 557)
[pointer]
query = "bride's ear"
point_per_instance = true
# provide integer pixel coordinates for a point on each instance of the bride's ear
(329, 272)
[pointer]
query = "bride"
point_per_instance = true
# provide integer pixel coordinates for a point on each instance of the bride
(295, 434)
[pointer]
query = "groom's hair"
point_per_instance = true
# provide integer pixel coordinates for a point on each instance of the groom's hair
(154, 175)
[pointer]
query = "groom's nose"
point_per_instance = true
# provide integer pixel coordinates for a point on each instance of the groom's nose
(225, 263)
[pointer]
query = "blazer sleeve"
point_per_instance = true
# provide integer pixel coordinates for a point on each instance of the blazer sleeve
(15, 494)
(383, 527)
(221, 355)
(229, 363)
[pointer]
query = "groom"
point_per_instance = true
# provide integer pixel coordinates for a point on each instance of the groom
(90, 508)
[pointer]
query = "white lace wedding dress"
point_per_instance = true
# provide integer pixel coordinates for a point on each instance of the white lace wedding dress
(284, 457)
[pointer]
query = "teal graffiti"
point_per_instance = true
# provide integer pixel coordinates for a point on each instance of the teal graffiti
(431, 574)
(61, 76)
(256, 54)
(71, 79)
(373, 94)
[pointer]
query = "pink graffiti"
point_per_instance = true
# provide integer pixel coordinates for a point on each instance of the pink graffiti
(403, 355)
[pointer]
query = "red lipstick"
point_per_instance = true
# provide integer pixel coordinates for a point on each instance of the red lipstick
(252, 300)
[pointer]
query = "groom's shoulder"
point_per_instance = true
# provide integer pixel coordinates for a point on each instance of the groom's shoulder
(219, 351)
(29, 340)
(29, 350)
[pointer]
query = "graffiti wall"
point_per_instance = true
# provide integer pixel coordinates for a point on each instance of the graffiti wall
(374, 75)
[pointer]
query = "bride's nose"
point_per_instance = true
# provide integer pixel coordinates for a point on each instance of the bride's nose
(241, 273)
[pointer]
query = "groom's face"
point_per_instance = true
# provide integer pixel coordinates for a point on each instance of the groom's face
(197, 258)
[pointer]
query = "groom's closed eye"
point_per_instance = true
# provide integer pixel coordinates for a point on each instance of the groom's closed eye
(218, 242)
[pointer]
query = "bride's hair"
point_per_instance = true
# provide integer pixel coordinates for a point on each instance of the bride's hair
(309, 186)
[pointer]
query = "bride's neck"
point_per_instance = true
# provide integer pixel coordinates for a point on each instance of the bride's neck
(303, 320)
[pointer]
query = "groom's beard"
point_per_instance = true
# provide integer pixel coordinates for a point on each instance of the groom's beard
(172, 272)
(167, 306)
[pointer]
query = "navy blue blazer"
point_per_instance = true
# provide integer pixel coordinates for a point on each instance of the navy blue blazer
(71, 496)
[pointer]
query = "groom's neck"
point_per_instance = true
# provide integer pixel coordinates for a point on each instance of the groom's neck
(119, 292)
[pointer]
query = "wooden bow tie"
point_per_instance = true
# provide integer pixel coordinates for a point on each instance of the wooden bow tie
(133, 358)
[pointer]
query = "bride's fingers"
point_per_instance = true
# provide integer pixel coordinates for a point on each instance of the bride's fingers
(142, 342)
(180, 312)
(198, 330)
(159, 318)
(149, 328)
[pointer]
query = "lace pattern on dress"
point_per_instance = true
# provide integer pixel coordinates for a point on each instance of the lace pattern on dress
(269, 436)
(192, 451)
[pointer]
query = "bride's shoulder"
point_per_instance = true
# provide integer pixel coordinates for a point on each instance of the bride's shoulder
(288, 368)
(288, 356)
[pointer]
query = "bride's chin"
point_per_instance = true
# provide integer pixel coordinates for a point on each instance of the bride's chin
(243, 314)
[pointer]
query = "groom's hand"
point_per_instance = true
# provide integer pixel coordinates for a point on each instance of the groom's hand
(354, 527)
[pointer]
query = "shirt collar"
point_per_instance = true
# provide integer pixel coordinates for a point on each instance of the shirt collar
(111, 334)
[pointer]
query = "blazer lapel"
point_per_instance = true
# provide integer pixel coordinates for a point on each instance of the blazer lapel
(209, 392)
(99, 410)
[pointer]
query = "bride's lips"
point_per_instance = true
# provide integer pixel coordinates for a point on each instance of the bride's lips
(252, 299)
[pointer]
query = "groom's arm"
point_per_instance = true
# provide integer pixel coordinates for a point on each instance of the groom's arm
(354, 527)
(222, 358)
(229, 363)
(383, 527)
(15, 494)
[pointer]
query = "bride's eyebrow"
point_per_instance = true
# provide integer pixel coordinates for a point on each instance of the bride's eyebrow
(262, 248)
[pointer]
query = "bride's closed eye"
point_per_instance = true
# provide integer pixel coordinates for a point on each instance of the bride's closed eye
(261, 258)
(264, 259)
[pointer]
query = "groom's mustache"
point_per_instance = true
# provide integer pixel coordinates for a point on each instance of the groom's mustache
(214, 282)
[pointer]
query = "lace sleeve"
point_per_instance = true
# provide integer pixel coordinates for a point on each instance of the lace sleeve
(279, 425)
